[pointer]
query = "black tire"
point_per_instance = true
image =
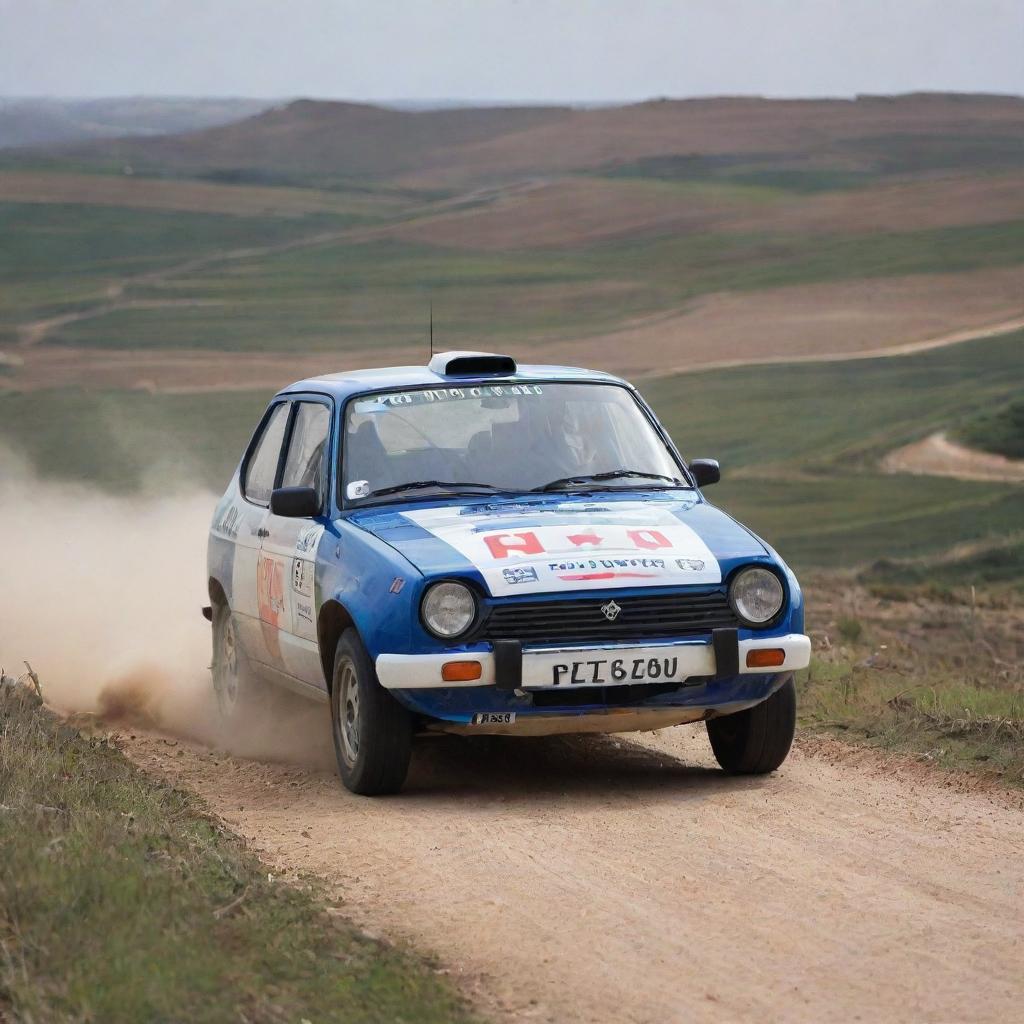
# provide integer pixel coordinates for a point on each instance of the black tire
(237, 690)
(372, 731)
(756, 741)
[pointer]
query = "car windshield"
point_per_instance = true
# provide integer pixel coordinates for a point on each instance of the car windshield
(502, 438)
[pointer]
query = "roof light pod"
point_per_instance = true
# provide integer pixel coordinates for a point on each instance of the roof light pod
(471, 364)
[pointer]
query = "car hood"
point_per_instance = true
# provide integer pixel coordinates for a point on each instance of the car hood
(559, 543)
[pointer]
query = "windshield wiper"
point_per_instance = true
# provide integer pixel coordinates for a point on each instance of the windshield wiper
(615, 474)
(447, 485)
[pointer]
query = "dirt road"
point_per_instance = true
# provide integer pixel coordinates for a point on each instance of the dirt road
(937, 455)
(605, 879)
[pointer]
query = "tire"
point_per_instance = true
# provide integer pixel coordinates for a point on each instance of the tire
(235, 687)
(756, 741)
(372, 731)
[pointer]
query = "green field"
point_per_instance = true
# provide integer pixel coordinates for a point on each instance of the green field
(55, 256)
(347, 295)
(800, 445)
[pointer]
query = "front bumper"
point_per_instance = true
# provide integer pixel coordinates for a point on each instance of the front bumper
(693, 659)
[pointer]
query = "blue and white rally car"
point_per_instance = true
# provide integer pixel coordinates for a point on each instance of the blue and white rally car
(476, 547)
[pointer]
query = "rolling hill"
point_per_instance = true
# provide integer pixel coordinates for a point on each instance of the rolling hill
(796, 143)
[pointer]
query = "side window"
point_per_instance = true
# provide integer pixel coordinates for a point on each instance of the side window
(262, 466)
(306, 462)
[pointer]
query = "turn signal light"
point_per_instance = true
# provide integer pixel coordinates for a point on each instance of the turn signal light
(461, 671)
(766, 657)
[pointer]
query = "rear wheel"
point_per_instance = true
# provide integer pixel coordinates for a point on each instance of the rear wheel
(756, 741)
(234, 685)
(372, 731)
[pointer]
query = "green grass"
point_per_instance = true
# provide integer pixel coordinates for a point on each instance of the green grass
(999, 565)
(121, 900)
(999, 430)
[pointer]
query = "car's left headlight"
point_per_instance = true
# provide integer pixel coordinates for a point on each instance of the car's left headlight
(448, 609)
(756, 595)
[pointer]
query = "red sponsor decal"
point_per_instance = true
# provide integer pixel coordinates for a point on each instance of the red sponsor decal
(506, 545)
(501, 545)
(605, 576)
(270, 600)
(649, 538)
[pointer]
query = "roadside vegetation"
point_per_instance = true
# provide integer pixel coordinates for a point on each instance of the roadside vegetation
(121, 899)
(933, 669)
(1000, 431)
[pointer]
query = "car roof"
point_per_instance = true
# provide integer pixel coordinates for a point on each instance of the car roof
(353, 382)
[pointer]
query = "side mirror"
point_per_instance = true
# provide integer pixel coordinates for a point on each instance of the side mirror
(703, 471)
(295, 502)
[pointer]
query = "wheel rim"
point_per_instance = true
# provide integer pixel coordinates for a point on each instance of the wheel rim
(348, 712)
(226, 676)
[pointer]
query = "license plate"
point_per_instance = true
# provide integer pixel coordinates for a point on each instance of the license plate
(494, 718)
(666, 668)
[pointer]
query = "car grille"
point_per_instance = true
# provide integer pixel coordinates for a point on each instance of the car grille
(582, 620)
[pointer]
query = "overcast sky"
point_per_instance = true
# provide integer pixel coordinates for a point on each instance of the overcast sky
(508, 49)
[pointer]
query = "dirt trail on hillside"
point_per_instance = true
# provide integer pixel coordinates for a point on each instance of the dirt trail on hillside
(937, 455)
(604, 879)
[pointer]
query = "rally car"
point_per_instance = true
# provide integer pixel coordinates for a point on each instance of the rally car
(479, 547)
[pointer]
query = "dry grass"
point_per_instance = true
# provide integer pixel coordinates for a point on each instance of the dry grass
(930, 672)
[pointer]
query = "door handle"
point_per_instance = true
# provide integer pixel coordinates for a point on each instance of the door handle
(262, 533)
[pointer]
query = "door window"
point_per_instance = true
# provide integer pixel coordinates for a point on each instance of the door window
(306, 460)
(261, 469)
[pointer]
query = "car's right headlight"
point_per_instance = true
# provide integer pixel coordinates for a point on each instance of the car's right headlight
(756, 595)
(448, 609)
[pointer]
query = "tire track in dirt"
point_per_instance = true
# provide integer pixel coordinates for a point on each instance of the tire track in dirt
(597, 879)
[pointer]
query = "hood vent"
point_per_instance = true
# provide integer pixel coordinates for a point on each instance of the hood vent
(472, 364)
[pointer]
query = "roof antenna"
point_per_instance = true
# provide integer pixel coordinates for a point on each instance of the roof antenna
(431, 328)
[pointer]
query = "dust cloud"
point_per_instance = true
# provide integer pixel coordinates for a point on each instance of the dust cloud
(103, 595)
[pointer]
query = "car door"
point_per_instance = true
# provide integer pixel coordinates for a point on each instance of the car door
(288, 555)
(251, 588)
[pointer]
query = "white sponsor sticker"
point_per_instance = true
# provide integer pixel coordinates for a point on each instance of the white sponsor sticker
(574, 546)
(303, 573)
(494, 718)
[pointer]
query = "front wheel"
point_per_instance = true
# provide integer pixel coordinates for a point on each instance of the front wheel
(756, 741)
(372, 731)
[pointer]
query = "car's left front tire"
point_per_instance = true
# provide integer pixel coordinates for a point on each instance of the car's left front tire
(372, 731)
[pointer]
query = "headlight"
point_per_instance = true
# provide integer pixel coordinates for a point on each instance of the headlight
(448, 609)
(756, 595)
